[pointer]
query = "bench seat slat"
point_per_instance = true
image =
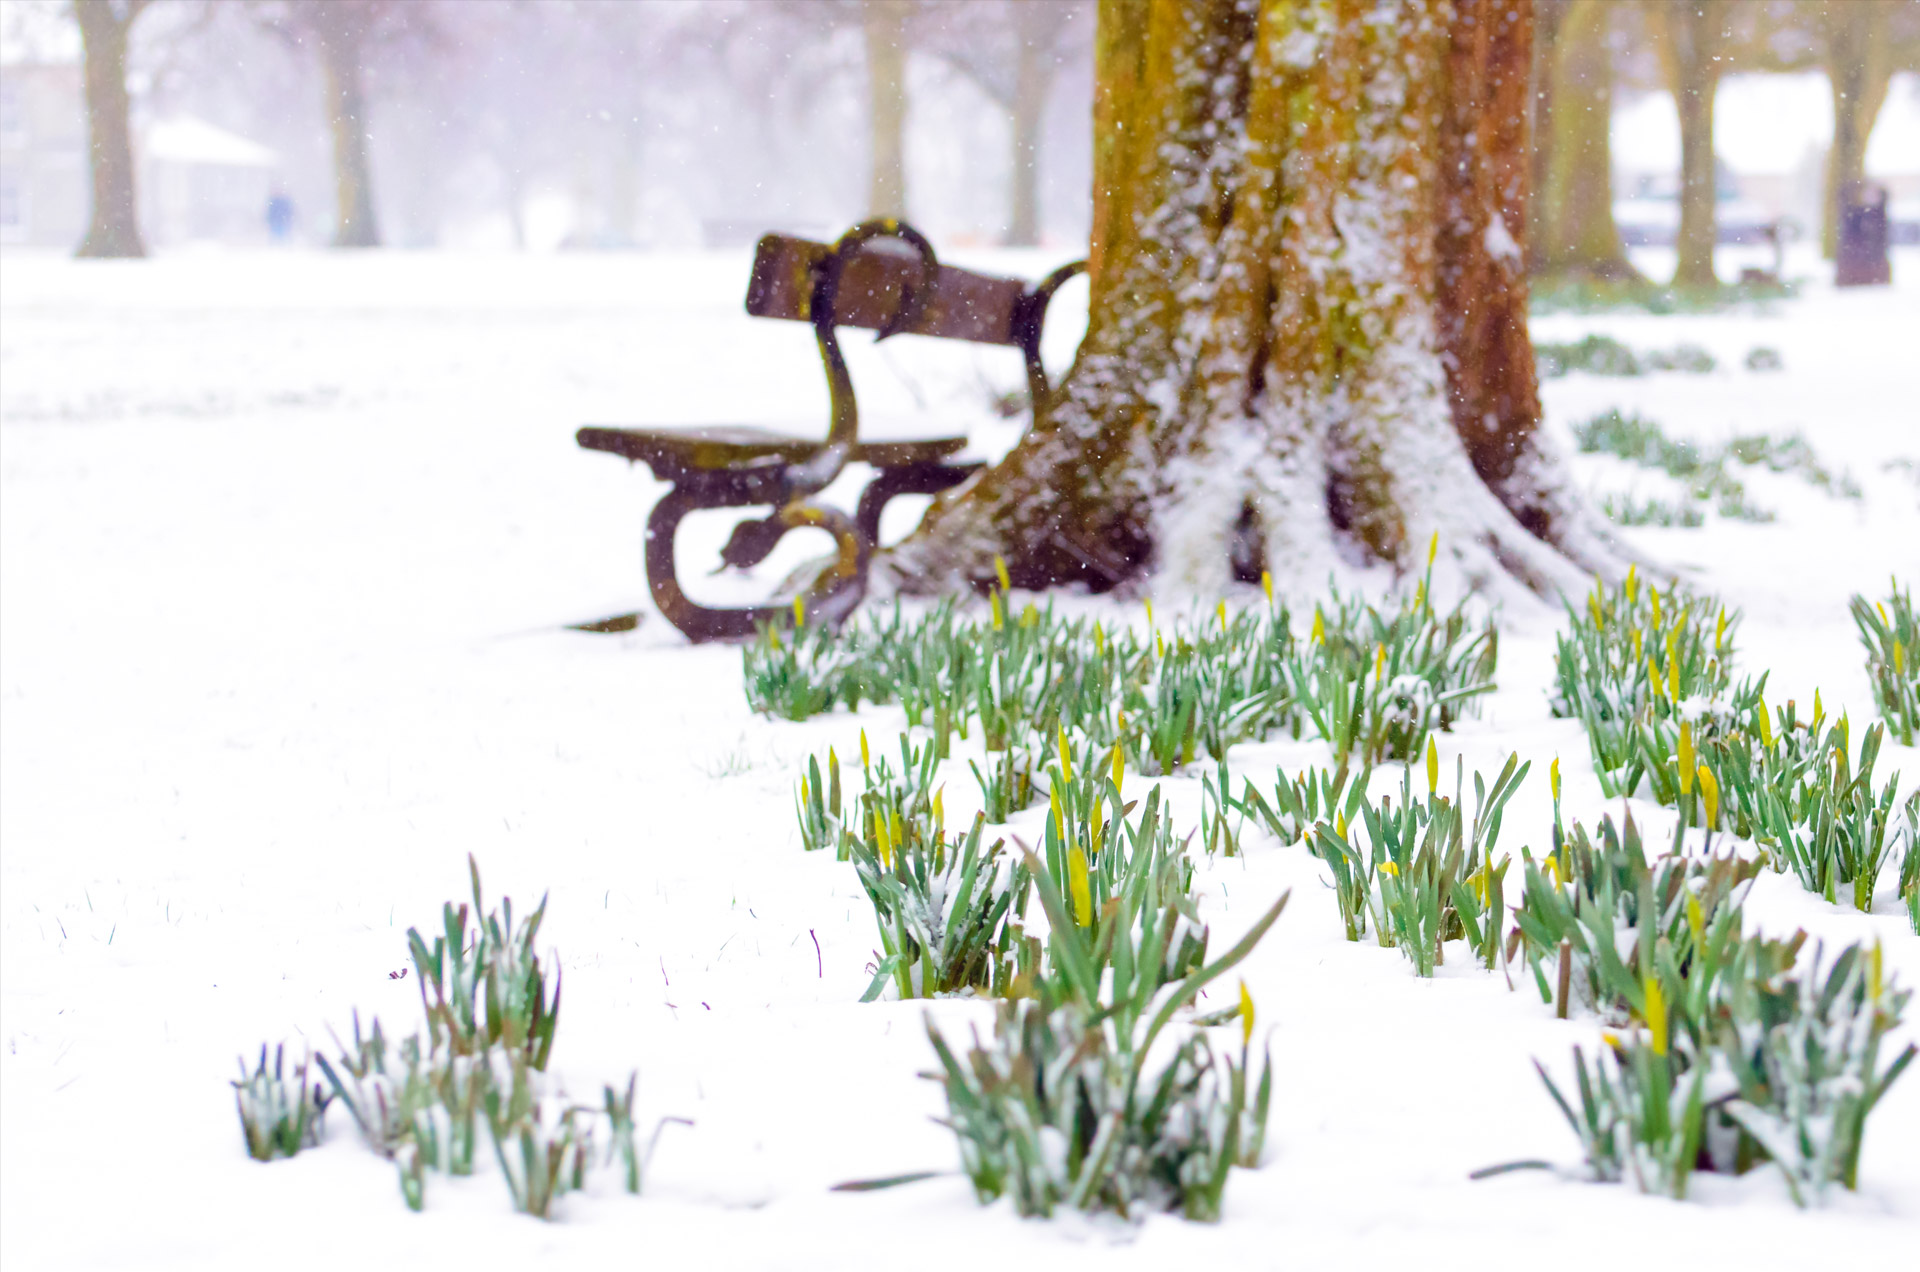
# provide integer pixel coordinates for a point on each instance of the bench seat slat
(672, 451)
(964, 306)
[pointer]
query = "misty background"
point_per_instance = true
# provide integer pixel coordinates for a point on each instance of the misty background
(675, 124)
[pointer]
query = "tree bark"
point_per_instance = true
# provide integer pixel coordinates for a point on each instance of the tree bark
(1306, 342)
(1576, 218)
(114, 230)
(1859, 72)
(1693, 34)
(885, 25)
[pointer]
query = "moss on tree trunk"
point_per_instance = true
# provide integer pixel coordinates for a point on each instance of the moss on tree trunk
(1306, 341)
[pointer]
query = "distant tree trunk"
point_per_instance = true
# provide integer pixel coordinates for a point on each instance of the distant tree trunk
(1692, 36)
(1547, 18)
(1307, 339)
(1859, 72)
(623, 198)
(343, 83)
(1037, 29)
(1580, 237)
(885, 23)
(1033, 76)
(115, 226)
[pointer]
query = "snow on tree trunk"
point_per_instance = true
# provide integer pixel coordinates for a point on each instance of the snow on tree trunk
(114, 229)
(1306, 343)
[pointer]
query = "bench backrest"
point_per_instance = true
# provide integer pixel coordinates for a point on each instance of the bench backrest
(964, 306)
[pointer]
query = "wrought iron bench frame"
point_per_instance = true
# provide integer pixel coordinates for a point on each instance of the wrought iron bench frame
(881, 275)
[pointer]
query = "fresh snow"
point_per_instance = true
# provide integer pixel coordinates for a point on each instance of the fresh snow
(286, 543)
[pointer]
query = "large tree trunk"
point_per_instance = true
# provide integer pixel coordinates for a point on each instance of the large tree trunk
(1692, 36)
(115, 227)
(1859, 72)
(885, 23)
(1576, 203)
(343, 83)
(1307, 337)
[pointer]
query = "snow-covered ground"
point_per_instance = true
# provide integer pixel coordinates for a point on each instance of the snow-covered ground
(286, 542)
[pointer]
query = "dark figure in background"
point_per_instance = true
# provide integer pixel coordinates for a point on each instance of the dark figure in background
(279, 216)
(1861, 260)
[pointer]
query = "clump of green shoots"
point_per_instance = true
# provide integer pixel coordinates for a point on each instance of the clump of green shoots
(543, 1146)
(490, 1033)
(1641, 1117)
(278, 1116)
(818, 806)
(1705, 477)
(383, 1102)
(1579, 904)
(949, 912)
(488, 988)
(1603, 355)
(1809, 1069)
(1892, 636)
(1424, 878)
(1910, 863)
(1649, 675)
(1069, 1106)
(1831, 828)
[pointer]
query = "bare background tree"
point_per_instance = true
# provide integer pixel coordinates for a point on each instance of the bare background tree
(104, 28)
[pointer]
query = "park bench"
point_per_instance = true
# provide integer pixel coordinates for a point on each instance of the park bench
(881, 276)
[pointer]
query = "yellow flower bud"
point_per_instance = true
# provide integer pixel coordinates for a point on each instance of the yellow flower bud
(1078, 884)
(1710, 791)
(1246, 1015)
(1657, 1015)
(1000, 573)
(1433, 767)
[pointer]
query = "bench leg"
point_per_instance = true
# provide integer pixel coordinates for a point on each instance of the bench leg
(834, 594)
(914, 479)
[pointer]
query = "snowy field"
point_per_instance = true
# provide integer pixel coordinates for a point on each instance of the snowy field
(286, 544)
